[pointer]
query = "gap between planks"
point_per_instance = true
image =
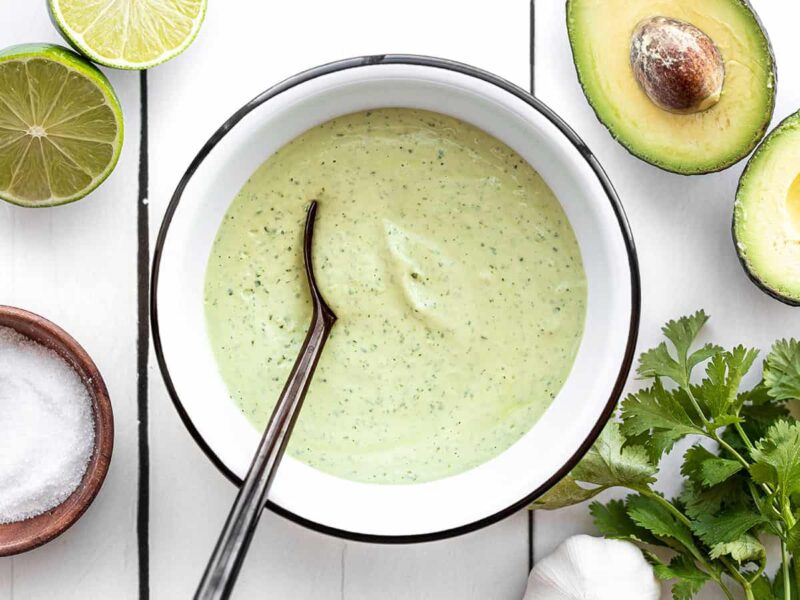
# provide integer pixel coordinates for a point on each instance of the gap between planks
(143, 349)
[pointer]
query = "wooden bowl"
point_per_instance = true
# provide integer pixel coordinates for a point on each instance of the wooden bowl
(22, 536)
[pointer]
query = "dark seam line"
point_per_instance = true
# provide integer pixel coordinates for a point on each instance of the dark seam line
(533, 47)
(142, 350)
(530, 539)
(531, 520)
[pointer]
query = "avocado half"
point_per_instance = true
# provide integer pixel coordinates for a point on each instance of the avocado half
(712, 140)
(766, 215)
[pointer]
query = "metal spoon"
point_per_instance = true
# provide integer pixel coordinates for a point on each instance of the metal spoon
(226, 561)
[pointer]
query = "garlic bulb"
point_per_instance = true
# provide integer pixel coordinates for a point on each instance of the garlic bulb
(589, 568)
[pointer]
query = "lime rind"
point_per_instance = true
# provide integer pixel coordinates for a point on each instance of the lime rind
(78, 65)
(76, 40)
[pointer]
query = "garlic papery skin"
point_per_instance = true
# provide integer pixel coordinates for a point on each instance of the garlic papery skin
(589, 568)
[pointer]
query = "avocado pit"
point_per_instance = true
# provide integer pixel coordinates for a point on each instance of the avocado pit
(677, 65)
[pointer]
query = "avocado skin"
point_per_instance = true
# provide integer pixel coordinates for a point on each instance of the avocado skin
(749, 271)
(760, 284)
(751, 275)
(664, 167)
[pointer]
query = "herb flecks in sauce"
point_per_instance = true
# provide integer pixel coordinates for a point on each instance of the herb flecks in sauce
(453, 270)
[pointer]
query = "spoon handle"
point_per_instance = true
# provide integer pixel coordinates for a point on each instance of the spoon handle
(226, 561)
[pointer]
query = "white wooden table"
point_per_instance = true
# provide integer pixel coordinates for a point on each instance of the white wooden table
(85, 266)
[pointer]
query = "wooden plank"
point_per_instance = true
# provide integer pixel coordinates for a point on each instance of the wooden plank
(243, 48)
(75, 264)
(490, 563)
(681, 225)
(7, 579)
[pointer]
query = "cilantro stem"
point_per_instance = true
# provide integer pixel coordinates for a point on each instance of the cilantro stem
(684, 520)
(787, 585)
(740, 579)
(725, 589)
(744, 436)
(711, 431)
(759, 504)
(666, 504)
(730, 449)
(787, 515)
(767, 488)
(696, 405)
(762, 565)
(714, 573)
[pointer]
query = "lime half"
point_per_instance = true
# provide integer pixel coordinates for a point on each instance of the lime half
(60, 126)
(129, 34)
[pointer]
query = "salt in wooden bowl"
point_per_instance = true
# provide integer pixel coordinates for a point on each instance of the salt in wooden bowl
(22, 536)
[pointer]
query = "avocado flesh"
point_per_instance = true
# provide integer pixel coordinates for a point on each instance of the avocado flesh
(766, 219)
(600, 34)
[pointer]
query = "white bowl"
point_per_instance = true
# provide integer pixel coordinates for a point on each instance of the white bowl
(456, 504)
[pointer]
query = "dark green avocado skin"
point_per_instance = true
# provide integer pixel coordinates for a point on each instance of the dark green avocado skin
(760, 284)
(751, 274)
(746, 4)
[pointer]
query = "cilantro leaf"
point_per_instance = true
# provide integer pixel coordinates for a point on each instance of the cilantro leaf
(690, 578)
(724, 373)
(782, 370)
(658, 362)
(682, 332)
(757, 419)
(730, 495)
(758, 396)
(612, 521)
(793, 539)
(662, 414)
(777, 458)
(777, 584)
(726, 527)
(720, 512)
(707, 469)
(762, 589)
(685, 589)
(565, 493)
(717, 470)
(757, 413)
(656, 518)
(609, 462)
(744, 549)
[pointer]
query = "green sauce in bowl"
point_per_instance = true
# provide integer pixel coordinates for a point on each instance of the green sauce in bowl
(453, 270)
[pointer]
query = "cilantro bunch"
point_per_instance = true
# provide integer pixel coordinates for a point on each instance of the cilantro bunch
(741, 477)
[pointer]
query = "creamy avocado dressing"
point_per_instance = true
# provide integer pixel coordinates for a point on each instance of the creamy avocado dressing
(454, 273)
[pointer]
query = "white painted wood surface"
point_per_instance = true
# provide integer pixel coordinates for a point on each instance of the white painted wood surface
(76, 265)
(681, 224)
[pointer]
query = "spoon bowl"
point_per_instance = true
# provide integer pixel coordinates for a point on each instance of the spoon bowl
(22, 536)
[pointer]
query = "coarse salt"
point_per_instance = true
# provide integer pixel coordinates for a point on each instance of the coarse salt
(46, 428)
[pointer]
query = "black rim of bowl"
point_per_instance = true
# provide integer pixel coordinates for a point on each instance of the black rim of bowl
(569, 134)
